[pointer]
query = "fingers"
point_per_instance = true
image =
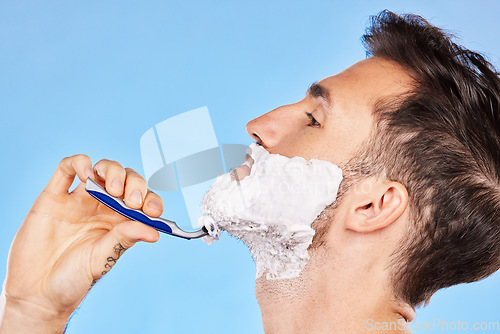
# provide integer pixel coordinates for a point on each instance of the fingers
(130, 232)
(130, 185)
(136, 189)
(64, 175)
(115, 242)
(113, 174)
(153, 205)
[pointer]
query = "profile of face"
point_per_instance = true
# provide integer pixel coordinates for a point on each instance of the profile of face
(330, 124)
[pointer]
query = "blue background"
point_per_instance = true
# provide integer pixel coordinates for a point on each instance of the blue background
(91, 76)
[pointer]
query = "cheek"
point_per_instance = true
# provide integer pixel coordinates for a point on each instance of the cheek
(298, 142)
(344, 137)
(324, 145)
(305, 143)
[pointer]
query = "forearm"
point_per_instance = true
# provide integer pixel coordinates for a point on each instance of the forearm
(25, 317)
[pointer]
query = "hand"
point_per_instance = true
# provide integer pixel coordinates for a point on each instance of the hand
(68, 241)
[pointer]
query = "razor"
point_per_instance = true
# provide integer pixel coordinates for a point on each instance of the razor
(117, 204)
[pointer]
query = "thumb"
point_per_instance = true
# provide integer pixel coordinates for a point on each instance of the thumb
(114, 243)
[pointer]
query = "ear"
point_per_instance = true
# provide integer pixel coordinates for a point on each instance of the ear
(375, 205)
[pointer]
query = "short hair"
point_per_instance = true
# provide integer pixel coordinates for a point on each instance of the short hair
(442, 142)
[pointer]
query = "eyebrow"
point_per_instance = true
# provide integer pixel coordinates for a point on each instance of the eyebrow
(318, 91)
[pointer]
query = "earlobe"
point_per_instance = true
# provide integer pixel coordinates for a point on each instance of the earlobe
(378, 208)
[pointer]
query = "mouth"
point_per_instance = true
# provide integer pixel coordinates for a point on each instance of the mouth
(244, 170)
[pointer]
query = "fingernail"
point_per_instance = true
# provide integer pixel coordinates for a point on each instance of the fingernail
(101, 175)
(136, 197)
(155, 205)
(116, 184)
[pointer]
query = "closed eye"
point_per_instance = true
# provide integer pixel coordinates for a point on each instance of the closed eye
(313, 121)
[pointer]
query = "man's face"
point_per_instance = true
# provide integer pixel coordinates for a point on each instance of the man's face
(342, 106)
(270, 206)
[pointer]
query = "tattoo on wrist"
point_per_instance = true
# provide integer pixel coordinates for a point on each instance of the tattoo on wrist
(118, 249)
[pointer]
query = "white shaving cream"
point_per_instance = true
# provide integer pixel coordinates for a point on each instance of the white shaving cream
(270, 205)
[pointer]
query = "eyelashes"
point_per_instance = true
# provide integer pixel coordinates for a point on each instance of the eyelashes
(313, 122)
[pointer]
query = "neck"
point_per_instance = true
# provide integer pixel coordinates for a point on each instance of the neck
(322, 300)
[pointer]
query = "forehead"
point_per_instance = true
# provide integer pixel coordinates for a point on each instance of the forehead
(369, 80)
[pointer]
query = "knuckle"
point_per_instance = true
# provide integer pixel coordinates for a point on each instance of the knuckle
(116, 167)
(120, 172)
(142, 183)
(64, 161)
(153, 195)
(102, 161)
(81, 156)
(138, 179)
(77, 159)
(131, 171)
(110, 167)
(100, 164)
(81, 159)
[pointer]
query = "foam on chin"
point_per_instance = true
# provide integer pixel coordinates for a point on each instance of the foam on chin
(272, 209)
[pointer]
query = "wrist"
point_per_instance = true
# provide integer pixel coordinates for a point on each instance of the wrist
(20, 316)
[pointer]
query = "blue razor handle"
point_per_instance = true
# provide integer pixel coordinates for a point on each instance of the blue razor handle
(161, 224)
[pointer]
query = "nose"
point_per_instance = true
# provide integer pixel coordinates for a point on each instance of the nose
(270, 129)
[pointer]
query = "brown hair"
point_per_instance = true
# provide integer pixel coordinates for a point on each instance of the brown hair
(442, 142)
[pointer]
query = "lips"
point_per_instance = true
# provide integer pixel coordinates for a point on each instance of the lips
(244, 170)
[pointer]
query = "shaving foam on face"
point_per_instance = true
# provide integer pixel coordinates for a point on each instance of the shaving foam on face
(271, 209)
